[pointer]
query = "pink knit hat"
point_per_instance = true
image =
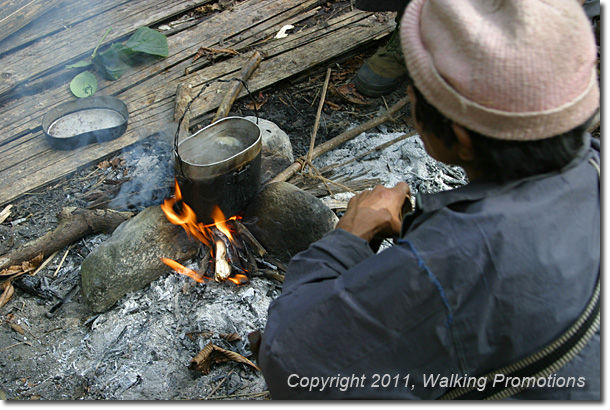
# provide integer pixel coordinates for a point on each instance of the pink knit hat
(509, 69)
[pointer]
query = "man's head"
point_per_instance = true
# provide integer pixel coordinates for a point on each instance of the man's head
(511, 70)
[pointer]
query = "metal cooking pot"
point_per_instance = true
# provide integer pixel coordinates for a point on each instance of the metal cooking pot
(220, 165)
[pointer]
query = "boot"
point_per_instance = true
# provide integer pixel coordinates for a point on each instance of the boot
(384, 71)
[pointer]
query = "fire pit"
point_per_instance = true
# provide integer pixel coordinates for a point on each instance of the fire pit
(232, 257)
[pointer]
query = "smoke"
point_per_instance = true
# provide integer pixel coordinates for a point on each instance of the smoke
(151, 173)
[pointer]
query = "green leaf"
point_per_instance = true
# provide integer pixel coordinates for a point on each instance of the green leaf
(149, 41)
(84, 85)
(113, 62)
(81, 63)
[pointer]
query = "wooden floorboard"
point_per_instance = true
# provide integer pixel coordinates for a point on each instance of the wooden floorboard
(79, 40)
(57, 19)
(16, 14)
(28, 163)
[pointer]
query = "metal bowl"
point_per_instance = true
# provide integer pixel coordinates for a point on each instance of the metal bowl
(85, 121)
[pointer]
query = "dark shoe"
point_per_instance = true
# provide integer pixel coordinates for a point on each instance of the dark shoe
(384, 71)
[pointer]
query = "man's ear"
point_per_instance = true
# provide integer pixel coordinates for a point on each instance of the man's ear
(464, 143)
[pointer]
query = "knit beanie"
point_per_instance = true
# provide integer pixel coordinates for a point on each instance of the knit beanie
(508, 69)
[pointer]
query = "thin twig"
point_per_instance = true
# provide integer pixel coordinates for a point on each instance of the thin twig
(218, 385)
(385, 103)
(6, 212)
(319, 175)
(16, 344)
(62, 261)
(330, 181)
(340, 139)
(316, 124)
(45, 263)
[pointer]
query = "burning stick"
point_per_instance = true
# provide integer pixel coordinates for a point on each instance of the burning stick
(223, 270)
(198, 277)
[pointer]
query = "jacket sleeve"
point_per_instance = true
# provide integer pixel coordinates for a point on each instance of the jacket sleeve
(342, 312)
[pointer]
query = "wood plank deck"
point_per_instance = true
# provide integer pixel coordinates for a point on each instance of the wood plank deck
(27, 162)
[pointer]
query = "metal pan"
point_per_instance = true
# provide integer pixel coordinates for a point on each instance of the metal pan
(85, 121)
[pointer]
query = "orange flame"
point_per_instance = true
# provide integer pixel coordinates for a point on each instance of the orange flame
(183, 270)
(188, 220)
(239, 279)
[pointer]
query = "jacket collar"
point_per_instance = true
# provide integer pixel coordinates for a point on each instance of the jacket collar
(478, 190)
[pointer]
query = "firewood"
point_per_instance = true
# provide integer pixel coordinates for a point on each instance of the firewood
(184, 94)
(74, 223)
(222, 269)
(247, 236)
(236, 87)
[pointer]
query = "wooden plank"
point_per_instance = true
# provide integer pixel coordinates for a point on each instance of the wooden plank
(15, 14)
(39, 165)
(59, 18)
(78, 41)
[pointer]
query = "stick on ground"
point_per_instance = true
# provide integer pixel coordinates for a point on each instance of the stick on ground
(74, 223)
(340, 139)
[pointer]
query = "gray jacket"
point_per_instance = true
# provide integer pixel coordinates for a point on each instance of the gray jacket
(482, 276)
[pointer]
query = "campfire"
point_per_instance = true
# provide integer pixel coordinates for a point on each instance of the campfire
(230, 256)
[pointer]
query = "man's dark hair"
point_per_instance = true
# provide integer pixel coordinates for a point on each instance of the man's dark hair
(501, 160)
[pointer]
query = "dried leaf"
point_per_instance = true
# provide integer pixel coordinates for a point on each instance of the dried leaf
(17, 328)
(349, 93)
(209, 8)
(11, 270)
(32, 264)
(7, 293)
(212, 354)
(207, 51)
(260, 101)
(333, 106)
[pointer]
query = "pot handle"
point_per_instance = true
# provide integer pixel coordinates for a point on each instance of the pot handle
(188, 107)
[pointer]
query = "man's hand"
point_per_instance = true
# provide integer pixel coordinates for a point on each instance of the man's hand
(376, 214)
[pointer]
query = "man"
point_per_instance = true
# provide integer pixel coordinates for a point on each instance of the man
(483, 276)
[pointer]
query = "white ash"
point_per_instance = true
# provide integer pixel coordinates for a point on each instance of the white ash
(407, 161)
(139, 350)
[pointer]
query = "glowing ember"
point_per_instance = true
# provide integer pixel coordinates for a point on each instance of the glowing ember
(187, 218)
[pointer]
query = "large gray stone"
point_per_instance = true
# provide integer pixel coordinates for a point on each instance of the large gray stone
(277, 150)
(286, 219)
(130, 258)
